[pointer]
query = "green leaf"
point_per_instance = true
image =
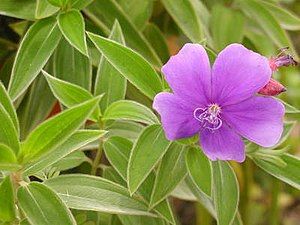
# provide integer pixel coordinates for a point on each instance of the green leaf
(35, 106)
(95, 193)
(35, 50)
(109, 81)
(139, 11)
(289, 109)
(125, 129)
(117, 151)
(287, 19)
(59, 3)
(104, 13)
(130, 64)
(72, 66)
(70, 94)
(183, 192)
(186, 17)
(8, 106)
(199, 168)
(288, 173)
(77, 140)
(147, 151)
(255, 10)
(24, 9)
(80, 4)
(44, 9)
(227, 26)
(70, 161)
(225, 192)
(8, 159)
(7, 204)
(157, 40)
(170, 173)
(71, 24)
(130, 110)
(53, 132)
(8, 132)
(140, 220)
(206, 201)
(42, 206)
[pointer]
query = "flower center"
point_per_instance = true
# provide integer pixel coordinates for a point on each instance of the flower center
(209, 116)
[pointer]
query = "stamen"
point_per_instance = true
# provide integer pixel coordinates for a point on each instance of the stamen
(209, 117)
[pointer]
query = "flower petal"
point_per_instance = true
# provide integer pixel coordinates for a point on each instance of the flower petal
(237, 74)
(189, 75)
(222, 144)
(259, 119)
(176, 116)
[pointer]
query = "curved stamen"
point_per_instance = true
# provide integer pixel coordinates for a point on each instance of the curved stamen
(209, 117)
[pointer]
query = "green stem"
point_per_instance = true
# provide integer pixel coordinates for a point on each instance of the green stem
(97, 159)
(98, 156)
(274, 214)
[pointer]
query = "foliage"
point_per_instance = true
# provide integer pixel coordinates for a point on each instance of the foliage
(79, 140)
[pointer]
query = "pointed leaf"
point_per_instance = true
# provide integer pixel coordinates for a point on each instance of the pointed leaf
(42, 206)
(139, 11)
(225, 192)
(227, 26)
(186, 17)
(35, 50)
(44, 9)
(130, 110)
(70, 94)
(117, 150)
(8, 159)
(71, 24)
(35, 106)
(53, 132)
(24, 9)
(255, 10)
(109, 81)
(8, 132)
(95, 193)
(7, 204)
(199, 169)
(72, 66)
(170, 173)
(8, 106)
(104, 13)
(147, 151)
(288, 173)
(287, 19)
(77, 140)
(130, 64)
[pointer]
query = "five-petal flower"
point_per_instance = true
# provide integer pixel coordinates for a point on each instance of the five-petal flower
(219, 103)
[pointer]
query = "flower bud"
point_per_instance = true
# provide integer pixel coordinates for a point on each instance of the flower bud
(282, 59)
(272, 88)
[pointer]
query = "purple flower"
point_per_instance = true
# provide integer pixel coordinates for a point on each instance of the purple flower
(219, 103)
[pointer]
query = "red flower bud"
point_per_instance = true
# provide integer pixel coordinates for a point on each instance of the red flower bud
(272, 88)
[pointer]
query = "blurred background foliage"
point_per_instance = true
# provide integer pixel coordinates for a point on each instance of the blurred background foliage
(157, 29)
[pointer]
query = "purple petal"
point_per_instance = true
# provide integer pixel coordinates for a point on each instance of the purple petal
(176, 116)
(189, 75)
(222, 144)
(259, 119)
(237, 74)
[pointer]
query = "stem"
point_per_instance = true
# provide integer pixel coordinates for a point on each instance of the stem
(274, 214)
(98, 157)
(202, 215)
(246, 192)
